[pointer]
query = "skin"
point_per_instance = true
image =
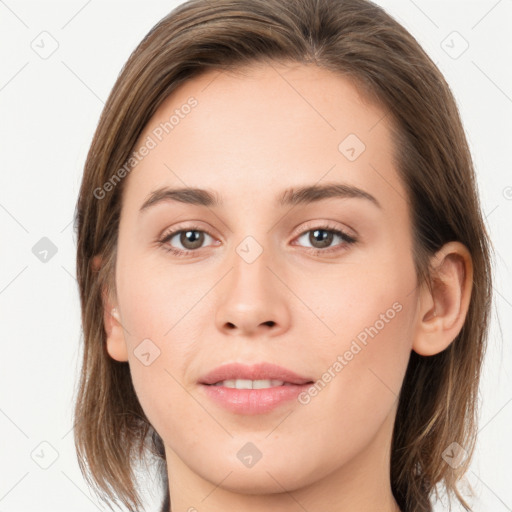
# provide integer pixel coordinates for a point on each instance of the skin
(251, 136)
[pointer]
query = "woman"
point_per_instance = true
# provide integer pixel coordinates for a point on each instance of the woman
(284, 272)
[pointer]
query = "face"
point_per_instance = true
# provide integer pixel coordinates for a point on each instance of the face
(320, 283)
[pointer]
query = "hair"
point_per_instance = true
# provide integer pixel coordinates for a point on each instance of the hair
(361, 42)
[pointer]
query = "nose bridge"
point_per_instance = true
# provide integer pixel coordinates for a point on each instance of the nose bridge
(254, 250)
(251, 278)
(251, 298)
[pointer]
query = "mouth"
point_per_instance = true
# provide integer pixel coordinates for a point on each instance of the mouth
(256, 376)
(253, 389)
(254, 384)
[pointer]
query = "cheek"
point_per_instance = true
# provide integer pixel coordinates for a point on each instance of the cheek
(157, 320)
(363, 368)
(365, 337)
(157, 302)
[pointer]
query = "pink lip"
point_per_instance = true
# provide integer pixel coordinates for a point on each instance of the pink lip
(253, 401)
(261, 371)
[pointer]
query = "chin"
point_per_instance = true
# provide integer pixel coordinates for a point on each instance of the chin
(264, 480)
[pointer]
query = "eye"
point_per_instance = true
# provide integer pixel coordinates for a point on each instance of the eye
(190, 239)
(193, 238)
(321, 239)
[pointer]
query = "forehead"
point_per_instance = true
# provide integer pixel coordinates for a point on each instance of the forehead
(263, 128)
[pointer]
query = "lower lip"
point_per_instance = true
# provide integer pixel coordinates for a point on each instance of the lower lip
(253, 401)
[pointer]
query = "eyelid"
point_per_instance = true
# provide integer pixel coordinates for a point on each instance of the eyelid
(324, 224)
(188, 225)
(310, 225)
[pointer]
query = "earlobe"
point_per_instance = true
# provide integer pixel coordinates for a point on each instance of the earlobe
(115, 341)
(116, 344)
(442, 308)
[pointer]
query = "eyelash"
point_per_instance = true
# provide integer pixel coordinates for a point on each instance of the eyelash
(347, 240)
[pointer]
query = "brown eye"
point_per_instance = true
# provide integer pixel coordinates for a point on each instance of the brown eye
(191, 239)
(323, 238)
(184, 240)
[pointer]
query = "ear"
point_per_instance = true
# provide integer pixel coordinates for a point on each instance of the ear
(115, 343)
(444, 305)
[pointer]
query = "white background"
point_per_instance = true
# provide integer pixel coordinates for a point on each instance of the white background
(49, 110)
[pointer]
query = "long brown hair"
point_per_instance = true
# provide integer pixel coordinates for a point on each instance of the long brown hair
(356, 38)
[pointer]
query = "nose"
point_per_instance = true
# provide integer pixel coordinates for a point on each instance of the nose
(252, 299)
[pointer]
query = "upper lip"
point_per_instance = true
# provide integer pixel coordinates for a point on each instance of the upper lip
(260, 371)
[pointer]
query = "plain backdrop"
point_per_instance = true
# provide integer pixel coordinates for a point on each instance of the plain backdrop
(51, 96)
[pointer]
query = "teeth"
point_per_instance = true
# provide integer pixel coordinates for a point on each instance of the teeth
(250, 384)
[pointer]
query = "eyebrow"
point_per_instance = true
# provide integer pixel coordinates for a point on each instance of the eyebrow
(290, 197)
